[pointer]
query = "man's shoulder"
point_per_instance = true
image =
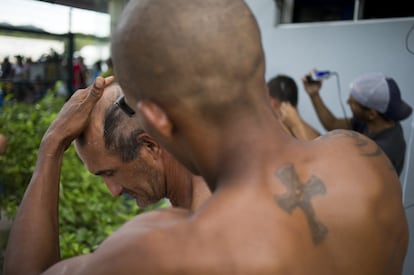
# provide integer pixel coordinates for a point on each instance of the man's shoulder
(138, 245)
(348, 150)
(155, 219)
(338, 133)
(135, 248)
(350, 141)
(391, 134)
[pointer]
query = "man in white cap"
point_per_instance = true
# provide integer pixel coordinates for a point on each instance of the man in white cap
(377, 108)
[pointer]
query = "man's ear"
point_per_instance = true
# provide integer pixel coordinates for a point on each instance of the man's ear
(156, 118)
(149, 144)
(372, 114)
(275, 106)
(275, 103)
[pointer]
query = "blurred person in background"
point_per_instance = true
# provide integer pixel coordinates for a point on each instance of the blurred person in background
(79, 73)
(109, 68)
(377, 109)
(96, 71)
(6, 69)
(283, 93)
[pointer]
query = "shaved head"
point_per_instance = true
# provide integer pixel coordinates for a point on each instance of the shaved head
(191, 50)
(195, 66)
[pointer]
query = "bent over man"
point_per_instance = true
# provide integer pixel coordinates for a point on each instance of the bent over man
(116, 148)
(128, 159)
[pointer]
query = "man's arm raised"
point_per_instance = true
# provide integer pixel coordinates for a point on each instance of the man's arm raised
(328, 120)
(297, 126)
(33, 244)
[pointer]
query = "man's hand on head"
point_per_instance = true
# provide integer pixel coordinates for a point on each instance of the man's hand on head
(74, 115)
(289, 114)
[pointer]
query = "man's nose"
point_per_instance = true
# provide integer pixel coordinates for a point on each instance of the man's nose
(114, 188)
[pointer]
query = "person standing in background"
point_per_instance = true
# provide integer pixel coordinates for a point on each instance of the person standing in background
(6, 68)
(96, 71)
(79, 74)
(109, 68)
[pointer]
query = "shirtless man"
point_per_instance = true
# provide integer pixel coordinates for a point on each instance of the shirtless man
(116, 148)
(280, 206)
(128, 160)
(283, 93)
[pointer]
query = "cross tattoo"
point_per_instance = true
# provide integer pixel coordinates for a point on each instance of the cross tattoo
(299, 195)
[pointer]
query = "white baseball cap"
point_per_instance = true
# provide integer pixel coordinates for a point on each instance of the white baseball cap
(381, 93)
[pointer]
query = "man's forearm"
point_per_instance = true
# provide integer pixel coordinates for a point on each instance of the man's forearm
(304, 131)
(34, 239)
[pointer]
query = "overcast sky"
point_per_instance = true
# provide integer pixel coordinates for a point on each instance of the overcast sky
(53, 18)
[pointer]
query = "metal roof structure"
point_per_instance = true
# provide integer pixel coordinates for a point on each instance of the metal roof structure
(93, 5)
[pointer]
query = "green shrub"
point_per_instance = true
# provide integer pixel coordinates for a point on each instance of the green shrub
(88, 213)
(24, 126)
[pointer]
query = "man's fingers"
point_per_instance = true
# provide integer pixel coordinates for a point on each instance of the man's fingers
(99, 85)
(109, 80)
(97, 88)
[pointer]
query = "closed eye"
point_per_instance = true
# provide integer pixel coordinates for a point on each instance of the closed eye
(105, 173)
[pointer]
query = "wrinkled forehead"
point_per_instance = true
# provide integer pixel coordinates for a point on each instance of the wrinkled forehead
(89, 147)
(92, 153)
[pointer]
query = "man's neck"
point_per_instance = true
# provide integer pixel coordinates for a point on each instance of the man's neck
(201, 192)
(178, 181)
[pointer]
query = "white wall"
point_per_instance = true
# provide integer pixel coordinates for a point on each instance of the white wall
(351, 49)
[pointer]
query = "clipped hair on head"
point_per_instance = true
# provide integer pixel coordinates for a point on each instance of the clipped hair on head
(284, 89)
(119, 136)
